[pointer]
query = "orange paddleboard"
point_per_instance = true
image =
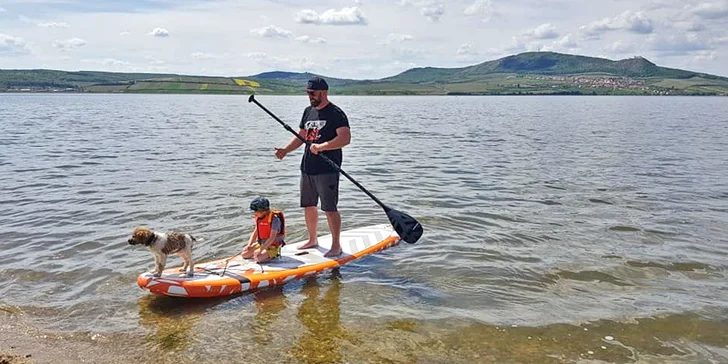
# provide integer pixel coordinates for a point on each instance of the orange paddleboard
(213, 279)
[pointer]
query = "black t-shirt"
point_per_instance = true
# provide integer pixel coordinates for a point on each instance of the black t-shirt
(320, 126)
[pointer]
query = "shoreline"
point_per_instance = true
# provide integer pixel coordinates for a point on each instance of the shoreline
(23, 343)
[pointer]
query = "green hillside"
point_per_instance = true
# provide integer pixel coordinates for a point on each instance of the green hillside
(522, 74)
(542, 63)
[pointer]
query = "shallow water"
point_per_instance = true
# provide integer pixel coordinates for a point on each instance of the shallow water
(551, 224)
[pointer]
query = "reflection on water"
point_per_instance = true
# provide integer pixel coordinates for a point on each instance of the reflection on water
(320, 315)
(665, 339)
(269, 303)
(172, 320)
(675, 336)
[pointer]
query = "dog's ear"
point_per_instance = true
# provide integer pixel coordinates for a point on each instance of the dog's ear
(141, 234)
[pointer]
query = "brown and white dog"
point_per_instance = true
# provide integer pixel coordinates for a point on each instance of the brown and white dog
(163, 244)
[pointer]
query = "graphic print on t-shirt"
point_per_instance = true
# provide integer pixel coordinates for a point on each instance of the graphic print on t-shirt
(313, 127)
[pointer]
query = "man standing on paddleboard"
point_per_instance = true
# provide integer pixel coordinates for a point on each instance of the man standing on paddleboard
(325, 128)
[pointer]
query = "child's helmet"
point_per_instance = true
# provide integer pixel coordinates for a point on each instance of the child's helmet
(259, 203)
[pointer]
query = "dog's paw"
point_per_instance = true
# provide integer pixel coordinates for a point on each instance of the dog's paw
(190, 275)
(157, 275)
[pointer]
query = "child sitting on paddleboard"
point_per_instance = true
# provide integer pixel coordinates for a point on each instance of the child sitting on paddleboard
(268, 237)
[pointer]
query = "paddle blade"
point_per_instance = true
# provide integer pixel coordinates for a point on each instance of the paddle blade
(405, 225)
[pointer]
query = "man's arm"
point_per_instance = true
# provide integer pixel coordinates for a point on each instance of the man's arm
(291, 146)
(342, 139)
(295, 142)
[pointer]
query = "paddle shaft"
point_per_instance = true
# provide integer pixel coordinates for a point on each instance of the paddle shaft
(327, 159)
(227, 261)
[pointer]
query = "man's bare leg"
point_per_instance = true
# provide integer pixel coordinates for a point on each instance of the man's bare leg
(334, 220)
(310, 213)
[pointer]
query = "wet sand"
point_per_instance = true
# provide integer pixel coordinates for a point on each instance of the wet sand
(22, 343)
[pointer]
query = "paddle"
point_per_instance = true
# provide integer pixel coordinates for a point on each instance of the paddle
(227, 261)
(406, 226)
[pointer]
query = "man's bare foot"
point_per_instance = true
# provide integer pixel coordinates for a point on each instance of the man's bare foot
(310, 244)
(333, 253)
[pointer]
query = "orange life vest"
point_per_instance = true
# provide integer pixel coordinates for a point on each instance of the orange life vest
(264, 226)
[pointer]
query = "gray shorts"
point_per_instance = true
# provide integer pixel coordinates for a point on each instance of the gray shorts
(320, 186)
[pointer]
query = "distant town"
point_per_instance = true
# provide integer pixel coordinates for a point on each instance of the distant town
(592, 82)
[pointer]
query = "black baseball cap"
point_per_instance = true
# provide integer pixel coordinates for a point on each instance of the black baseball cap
(316, 84)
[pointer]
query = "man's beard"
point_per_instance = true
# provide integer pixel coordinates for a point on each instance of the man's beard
(315, 102)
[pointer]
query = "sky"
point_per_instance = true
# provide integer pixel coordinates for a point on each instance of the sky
(356, 39)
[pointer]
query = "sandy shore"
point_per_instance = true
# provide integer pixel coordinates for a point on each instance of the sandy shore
(22, 343)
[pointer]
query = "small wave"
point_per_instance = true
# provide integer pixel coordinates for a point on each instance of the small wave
(103, 157)
(587, 276)
(69, 166)
(674, 266)
(596, 200)
(28, 170)
(623, 228)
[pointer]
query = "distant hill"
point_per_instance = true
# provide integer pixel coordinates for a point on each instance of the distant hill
(543, 63)
(299, 78)
(525, 73)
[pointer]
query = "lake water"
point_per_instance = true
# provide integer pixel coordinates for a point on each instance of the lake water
(557, 229)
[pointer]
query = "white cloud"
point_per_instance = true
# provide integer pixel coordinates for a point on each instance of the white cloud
(635, 22)
(566, 42)
(69, 44)
(719, 40)
(478, 7)
(272, 31)
(543, 31)
(109, 63)
(123, 33)
(466, 49)
(406, 54)
(516, 45)
(283, 63)
(678, 44)
(483, 8)
(53, 25)
(153, 61)
(308, 39)
(593, 30)
(705, 56)
(394, 38)
(207, 56)
(2, 10)
(433, 10)
(308, 16)
(689, 26)
(114, 62)
(12, 46)
(620, 47)
(345, 16)
(711, 10)
(159, 32)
